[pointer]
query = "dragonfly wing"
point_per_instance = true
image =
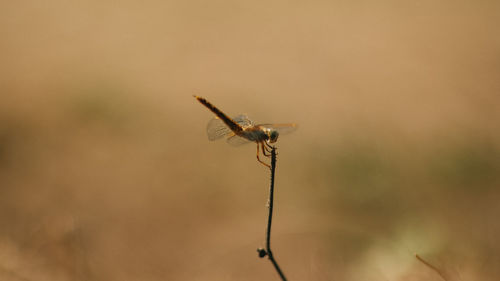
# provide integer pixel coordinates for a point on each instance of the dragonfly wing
(282, 129)
(216, 129)
(243, 121)
(236, 140)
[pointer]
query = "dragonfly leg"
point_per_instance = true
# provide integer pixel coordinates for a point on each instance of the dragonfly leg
(268, 148)
(258, 159)
(265, 150)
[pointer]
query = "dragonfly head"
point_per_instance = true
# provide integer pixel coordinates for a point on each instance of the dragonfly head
(273, 135)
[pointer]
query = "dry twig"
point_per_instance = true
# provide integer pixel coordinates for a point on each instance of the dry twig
(267, 252)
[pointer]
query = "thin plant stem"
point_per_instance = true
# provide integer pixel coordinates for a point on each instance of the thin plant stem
(431, 267)
(267, 251)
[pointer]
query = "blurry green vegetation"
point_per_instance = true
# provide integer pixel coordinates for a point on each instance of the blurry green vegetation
(426, 196)
(350, 245)
(370, 171)
(383, 185)
(18, 140)
(360, 174)
(473, 166)
(101, 103)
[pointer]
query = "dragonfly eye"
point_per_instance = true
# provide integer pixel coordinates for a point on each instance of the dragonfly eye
(273, 136)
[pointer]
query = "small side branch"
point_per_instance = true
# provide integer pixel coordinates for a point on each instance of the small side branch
(267, 252)
(431, 267)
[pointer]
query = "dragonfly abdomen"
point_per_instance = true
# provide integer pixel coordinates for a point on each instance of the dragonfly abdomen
(228, 121)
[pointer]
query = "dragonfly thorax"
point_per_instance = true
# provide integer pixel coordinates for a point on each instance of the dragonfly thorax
(260, 134)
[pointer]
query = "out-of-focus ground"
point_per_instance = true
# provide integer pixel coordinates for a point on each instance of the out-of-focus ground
(106, 172)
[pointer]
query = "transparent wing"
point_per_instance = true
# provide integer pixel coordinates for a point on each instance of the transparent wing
(217, 129)
(236, 140)
(243, 120)
(282, 129)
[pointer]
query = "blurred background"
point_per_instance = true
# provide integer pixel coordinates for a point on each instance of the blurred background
(106, 172)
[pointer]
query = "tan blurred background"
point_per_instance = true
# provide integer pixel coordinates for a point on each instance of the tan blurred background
(106, 172)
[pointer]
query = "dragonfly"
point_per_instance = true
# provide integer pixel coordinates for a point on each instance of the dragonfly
(241, 130)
